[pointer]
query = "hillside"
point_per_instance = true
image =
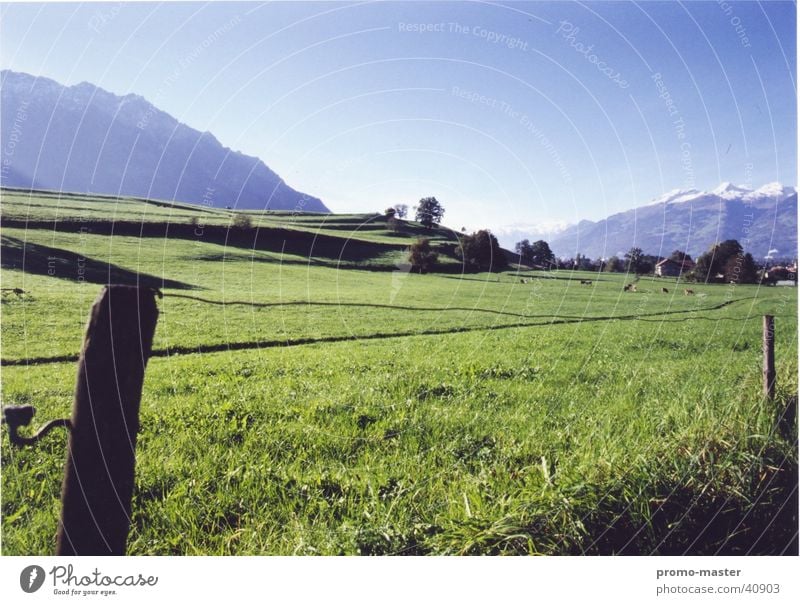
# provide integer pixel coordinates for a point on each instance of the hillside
(763, 220)
(84, 139)
(363, 241)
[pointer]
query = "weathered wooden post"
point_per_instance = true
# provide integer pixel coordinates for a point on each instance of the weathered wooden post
(769, 357)
(99, 475)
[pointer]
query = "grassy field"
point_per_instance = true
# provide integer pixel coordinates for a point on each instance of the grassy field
(334, 403)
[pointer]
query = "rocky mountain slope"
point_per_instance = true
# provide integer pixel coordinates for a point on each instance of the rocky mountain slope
(84, 139)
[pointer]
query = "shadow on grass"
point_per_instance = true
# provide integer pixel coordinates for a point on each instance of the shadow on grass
(509, 277)
(329, 250)
(293, 342)
(273, 239)
(276, 258)
(64, 264)
(301, 303)
(689, 523)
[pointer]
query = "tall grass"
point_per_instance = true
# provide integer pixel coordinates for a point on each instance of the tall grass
(462, 415)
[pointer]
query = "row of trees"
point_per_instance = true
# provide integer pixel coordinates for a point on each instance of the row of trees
(726, 261)
(481, 251)
(536, 254)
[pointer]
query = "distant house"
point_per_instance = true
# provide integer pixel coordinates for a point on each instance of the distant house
(672, 268)
(781, 276)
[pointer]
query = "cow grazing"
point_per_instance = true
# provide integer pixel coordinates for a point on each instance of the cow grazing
(688, 292)
(664, 291)
(630, 288)
(17, 291)
(586, 282)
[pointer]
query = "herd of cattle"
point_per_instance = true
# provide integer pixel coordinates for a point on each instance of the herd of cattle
(626, 288)
(632, 288)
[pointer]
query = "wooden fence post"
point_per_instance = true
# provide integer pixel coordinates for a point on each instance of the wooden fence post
(769, 357)
(99, 475)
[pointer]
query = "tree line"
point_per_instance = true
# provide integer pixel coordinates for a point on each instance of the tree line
(480, 251)
(723, 262)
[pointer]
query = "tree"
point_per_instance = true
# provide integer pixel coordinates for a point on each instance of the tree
(401, 210)
(429, 212)
(679, 256)
(390, 213)
(646, 264)
(242, 221)
(614, 264)
(583, 263)
(421, 256)
(633, 260)
(481, 252)
(713, 262)
(741, 269)
(541, 254)
(538, 253)
(525, 252)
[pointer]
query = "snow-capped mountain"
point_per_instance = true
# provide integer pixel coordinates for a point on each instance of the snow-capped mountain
(726, 191)
(84, 139)
(762, 219)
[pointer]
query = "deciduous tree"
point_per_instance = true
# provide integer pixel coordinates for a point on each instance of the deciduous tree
(481, 252)
(714, 261)
(422, 256)
(429, 212)
(633, 260)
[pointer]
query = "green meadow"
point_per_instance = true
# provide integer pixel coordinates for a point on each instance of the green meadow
(308, 394)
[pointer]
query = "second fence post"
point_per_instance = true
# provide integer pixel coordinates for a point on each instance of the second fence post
(769, 357)
(99, 475)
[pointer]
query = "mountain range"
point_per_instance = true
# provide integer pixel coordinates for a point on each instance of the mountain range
(763, 220)
(84, 139)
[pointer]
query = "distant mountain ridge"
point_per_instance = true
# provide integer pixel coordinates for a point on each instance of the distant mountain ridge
(763, 220)
(84, 139)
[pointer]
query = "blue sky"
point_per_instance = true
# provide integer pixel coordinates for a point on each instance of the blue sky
(515, 116)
